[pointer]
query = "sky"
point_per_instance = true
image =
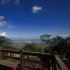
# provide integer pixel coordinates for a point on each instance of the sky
(28, 19)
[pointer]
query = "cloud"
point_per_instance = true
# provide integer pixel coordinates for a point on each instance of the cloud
(17, 2)
(6, 1)
(64, 36)
(12, 37)
(3, 34)
(5, 23)
(36, 9)
(7, 36)
(2, 22)
(1, 17)
(3, 1)
(10, 26)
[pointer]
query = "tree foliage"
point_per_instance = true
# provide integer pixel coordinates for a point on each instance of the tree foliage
(62, 48)
(2, 40)
(9, 47)
(5, 43)
(33, 48)
(45, 38)
(30, 47)
(57, 43)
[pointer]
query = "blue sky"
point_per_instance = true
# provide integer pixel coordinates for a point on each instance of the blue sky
(28, 19)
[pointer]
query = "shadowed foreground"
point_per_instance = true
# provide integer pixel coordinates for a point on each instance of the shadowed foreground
(24, 60)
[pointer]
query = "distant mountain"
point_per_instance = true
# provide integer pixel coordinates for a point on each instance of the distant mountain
(7, 42)
(27, 39)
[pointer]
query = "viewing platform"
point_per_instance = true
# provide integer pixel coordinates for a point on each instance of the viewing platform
(25, 60)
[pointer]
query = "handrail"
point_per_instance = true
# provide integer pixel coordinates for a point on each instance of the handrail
(10, 51)
(36, 53)
(58, 63)
(27, 52)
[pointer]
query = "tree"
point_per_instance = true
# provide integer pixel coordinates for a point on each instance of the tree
(5, 42)
(68, 55)
(54, 40)
(59, 38)
(33, 48)
(2, 40)
(9, 47)
(45, 38)
(57, 43)
(68, 39)
(62, 48)
(30, 47)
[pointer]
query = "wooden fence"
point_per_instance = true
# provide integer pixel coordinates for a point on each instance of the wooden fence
(34, 60)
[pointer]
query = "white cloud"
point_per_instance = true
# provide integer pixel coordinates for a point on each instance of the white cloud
(3, 34)
(7, 36)
(12, 37)
(2, 22)
(64, 36)
(1, 17)
(17, 2)
(5, 23)
(3, 1)
(6, 1)
(36, 9)
(10, 26)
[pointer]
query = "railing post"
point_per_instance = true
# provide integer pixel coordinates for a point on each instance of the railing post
(55, 53)
(0, 53)
(57, 67)
(21, 60)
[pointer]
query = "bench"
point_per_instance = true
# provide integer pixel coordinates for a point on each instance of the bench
(11, 65)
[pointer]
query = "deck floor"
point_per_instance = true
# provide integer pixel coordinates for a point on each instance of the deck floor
(5, 68)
